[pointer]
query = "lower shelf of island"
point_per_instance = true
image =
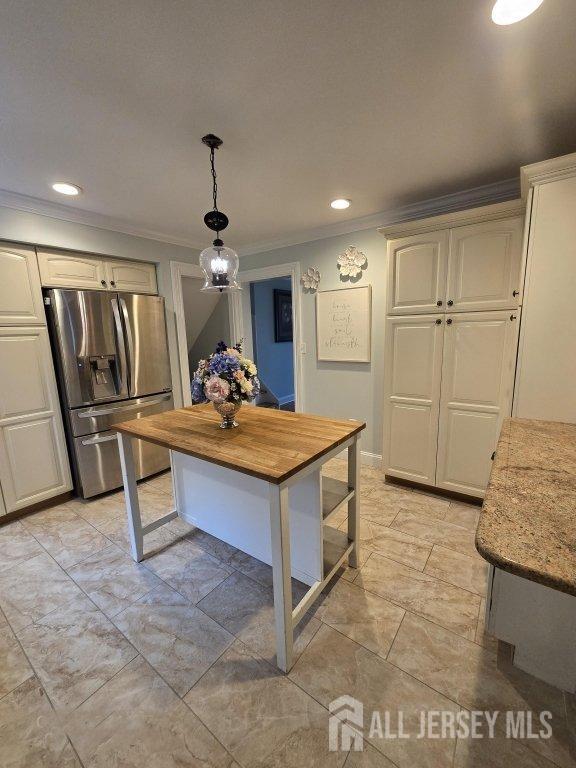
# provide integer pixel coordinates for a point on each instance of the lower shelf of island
(335, 493)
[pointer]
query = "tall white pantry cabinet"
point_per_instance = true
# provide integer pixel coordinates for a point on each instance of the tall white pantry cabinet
(33, 457)
(453, 310)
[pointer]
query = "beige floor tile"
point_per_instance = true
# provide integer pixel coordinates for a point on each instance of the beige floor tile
(250, 566)
(470, 675)
(14, 667)
(16, 545)
(246, 609)
(33, 588)
(470, 573)
(210, 544)
(367, 758)
(362, 616)
(31, 735)
(274, 722)
(137, 721)
(177, 639)
(420, 593)
(65, 535)
(100, 510)
(482, 637)
(189, 569)
(499, 752)
(333, 666)
(420, 524)
(116, 531)
(376, 511)
(161, 482)
(113, 580)
(415, 501)
(74, 650)
(394, 544)
(464, 515)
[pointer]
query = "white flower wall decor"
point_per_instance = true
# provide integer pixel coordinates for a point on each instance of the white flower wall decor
(351, 263)
(310, 279)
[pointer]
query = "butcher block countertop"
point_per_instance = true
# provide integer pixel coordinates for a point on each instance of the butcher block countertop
(269, 444)
(528, 520)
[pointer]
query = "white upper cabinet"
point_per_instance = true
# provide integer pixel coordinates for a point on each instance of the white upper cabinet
(484, 266)
(60, 269)
(63, 270)
(20, 291)
(131, 276)
(412, 382)
(477, 381)
(417, 273)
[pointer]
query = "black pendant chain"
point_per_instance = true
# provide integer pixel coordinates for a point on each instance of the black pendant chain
(214, 220)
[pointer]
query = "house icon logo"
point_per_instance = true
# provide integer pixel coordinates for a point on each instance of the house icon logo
(346, 725)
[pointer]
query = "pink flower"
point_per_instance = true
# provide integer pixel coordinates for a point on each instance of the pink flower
(216, 389)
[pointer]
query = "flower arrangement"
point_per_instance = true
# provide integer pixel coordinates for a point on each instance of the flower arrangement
(225, 377)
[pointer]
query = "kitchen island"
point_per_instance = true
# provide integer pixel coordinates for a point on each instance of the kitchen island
(527, 532)
(259, 488)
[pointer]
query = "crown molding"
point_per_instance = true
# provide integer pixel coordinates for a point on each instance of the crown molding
(477, 196)
(546, 171)
(35, 205)
(463, 218)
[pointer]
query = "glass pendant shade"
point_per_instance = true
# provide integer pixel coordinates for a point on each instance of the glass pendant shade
(220, 266)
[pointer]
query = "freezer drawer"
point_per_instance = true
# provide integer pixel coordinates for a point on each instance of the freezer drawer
(98, 418)
(98, 462)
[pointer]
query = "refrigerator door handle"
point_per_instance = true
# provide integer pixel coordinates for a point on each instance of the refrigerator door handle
(129, 346)
(96, 440)
(121, 347)
(89, 414)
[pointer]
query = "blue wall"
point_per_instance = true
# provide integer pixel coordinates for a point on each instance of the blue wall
(274, 360)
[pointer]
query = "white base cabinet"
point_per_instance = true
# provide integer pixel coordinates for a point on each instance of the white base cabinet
(33, 458)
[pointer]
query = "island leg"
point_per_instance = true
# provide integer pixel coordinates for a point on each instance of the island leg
(354, 503)
(131, 494)
(281, 574)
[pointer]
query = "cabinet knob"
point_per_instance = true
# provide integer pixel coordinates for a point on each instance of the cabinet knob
(438, 322)
(449, 321)
(450, 302)
(439, 303)
(103, 282)
(515, 293)
(112, 282)
(512, 317)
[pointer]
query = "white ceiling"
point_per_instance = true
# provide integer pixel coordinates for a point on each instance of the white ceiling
(387, 102)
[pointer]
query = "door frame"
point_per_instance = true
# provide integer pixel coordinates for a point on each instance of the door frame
(237, 306)
(178, 270)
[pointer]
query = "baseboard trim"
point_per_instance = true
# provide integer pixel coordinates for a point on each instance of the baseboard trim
(371, 459)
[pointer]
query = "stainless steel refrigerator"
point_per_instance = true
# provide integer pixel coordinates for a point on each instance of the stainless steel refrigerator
(111, 354)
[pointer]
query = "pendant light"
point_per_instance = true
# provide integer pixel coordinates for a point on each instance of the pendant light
(219, 263)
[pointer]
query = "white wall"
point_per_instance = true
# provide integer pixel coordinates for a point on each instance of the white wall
(24, 227)
(343, 390)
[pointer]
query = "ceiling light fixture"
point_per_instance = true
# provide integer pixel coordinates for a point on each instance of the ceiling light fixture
(220, 264)
(65, 188)
(340, 204)
(507, 12)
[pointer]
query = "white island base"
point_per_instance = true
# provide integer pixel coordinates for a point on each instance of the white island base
(539, 622)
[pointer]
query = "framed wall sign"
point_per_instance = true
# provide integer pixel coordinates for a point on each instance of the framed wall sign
(343, 324)
(282, 315)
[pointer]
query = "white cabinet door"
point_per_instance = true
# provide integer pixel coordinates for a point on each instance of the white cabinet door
(131, 276)
(484, 266)
(20, 291)
(33, 457)
(417, 273)
(59, 269)
(412, 385)
(477, 383)
(2, 505)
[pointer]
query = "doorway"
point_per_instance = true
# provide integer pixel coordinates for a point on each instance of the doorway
(260, 314)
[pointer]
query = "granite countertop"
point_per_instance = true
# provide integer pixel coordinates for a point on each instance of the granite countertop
(528, 520)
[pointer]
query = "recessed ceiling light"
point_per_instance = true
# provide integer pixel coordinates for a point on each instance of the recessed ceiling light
(510, 11)
(65, 188)
(340, 204)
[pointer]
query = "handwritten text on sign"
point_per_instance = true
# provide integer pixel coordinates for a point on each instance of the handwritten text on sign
(343, 325)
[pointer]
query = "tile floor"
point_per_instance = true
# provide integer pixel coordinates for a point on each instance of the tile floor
(111, 664)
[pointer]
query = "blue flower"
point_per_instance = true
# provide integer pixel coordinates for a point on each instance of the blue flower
(222, 363)
(198, 391)
(255, 386)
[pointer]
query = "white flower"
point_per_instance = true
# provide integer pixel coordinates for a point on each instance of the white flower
(310, 279)
(351, 262)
